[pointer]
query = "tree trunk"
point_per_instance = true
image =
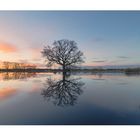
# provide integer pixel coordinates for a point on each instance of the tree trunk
(64, 71)
(64, 68)
(64, 77)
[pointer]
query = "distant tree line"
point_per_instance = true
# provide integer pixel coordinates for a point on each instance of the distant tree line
(15, 65)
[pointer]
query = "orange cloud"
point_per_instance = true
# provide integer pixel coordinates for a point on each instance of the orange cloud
(7, 48)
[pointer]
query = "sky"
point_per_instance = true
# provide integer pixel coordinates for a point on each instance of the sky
(105, 37)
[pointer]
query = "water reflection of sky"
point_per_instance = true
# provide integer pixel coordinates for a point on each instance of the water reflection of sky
(106, 99)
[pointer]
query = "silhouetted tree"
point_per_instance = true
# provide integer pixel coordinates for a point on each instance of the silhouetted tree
(16, 65)
(6, 65)
(63, 92)
(64, 53)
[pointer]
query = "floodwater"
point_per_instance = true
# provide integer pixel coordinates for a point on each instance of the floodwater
(48, 98)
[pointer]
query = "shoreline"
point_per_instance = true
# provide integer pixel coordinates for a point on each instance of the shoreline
(128, 70)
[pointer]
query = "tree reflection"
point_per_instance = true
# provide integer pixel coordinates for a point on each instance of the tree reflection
(63, 92)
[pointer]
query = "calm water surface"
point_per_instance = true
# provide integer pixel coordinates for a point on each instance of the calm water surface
(47, 98)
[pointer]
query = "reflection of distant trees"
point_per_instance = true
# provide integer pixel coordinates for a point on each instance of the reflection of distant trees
(100, 75)
(16, 75)
(63, 92)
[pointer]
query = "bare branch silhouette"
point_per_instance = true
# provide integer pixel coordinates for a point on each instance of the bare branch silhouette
(63, 52)
(63, 92)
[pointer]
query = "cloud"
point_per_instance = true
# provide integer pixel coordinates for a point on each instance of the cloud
(120, 59)
(115, 61)
(100, 61)
(7, 47)
(95, 58)
(123, 57)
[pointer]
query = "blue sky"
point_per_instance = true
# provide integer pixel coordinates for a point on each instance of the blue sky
(106, 38)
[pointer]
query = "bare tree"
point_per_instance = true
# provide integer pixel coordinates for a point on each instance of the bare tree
(22, 66)
(6, 65)
(16, 65)
(64, 53)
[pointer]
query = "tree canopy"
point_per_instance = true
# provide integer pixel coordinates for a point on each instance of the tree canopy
(63, 52)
